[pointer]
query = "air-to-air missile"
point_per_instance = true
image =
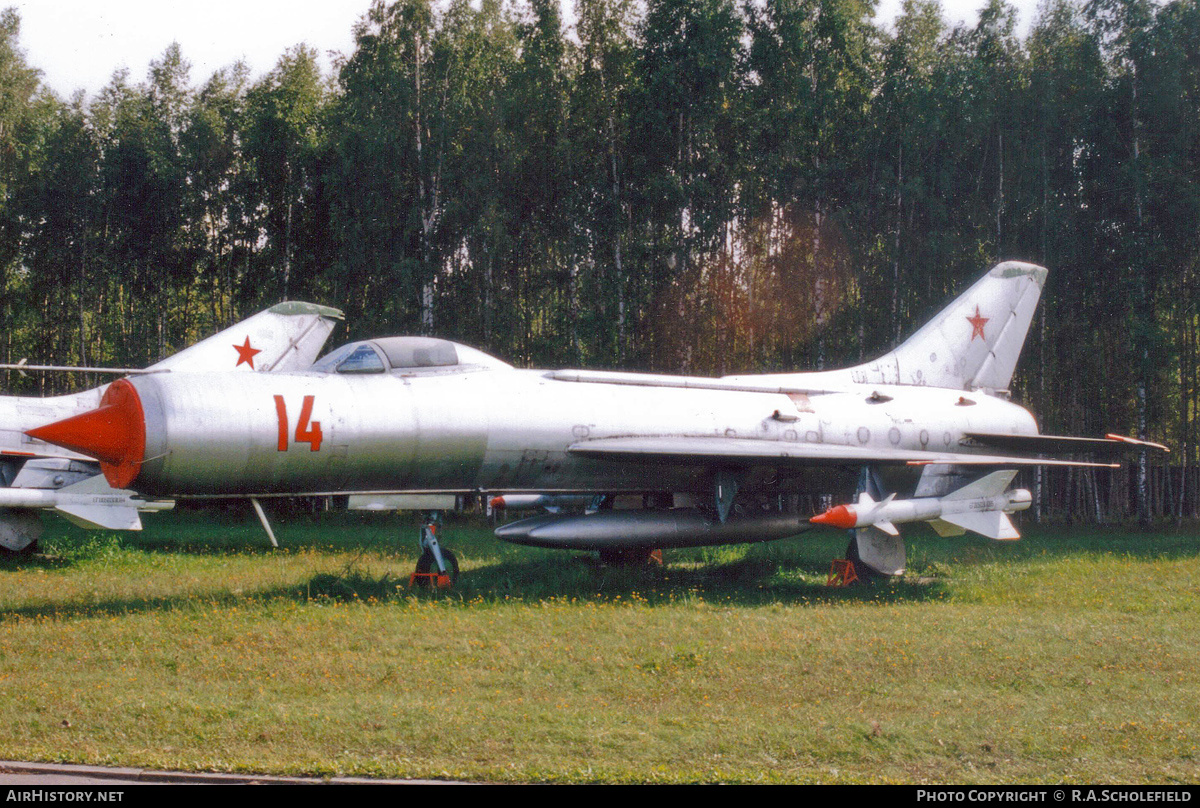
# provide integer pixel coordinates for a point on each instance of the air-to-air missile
(90, 503)
(424, 416)
(529, 502)
(982, 507)
(35, 475)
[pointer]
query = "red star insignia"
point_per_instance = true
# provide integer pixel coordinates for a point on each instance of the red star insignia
(977, 322)
(246, 353)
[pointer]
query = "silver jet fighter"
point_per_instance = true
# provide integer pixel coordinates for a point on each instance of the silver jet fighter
(423, 415)
(35, 475)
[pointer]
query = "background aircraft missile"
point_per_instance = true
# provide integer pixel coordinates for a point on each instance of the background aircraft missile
(981, 507)
(90, 503)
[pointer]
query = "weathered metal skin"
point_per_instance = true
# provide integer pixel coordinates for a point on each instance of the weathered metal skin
(210, 434)
(498, 430)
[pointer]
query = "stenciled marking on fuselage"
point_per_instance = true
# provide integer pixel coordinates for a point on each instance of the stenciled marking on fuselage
(307, 431)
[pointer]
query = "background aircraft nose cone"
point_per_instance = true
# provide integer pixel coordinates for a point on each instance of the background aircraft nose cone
(114, 433)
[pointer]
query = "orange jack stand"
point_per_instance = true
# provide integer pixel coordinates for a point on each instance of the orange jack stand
(433, 579)
(841, 573)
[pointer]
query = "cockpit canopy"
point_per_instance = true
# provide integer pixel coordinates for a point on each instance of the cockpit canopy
(404, 355)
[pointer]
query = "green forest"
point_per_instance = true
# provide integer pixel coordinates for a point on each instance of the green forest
(696, 186)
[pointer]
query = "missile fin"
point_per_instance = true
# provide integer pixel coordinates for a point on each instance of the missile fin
(887, 527)
(993, 524)
(78, 503)
(883, 554)
(945, 529)
(103, 517)
(96, 484)
(988, 486)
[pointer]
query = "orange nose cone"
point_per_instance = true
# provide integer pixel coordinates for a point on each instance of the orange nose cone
(840, 516)
(497, 503)
(114, 433)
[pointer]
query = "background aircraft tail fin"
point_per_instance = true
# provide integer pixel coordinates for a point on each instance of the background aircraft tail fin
(971, 344)
(287, 336)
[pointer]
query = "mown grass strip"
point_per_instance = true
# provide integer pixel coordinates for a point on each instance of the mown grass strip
(1069, 656)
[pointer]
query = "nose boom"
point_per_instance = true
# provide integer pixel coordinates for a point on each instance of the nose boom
(114, 433)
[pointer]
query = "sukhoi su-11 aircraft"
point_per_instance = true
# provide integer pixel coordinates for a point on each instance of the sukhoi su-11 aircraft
(923, 433)
(36, 476)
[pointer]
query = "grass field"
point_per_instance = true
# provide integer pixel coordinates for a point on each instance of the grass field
(1069, 656)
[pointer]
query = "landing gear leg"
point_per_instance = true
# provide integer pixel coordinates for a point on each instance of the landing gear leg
(437, 567)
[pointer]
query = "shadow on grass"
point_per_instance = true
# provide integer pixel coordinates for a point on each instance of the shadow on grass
(33, 561)
(749, 581)
(212, 534)
(745, 582)
(789, 571)
(198, 534)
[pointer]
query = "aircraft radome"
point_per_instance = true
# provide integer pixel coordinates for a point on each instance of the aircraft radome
(422, 415)
(37, 476)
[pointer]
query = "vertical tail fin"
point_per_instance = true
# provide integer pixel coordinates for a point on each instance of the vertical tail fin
(287, 336)
(971, 344)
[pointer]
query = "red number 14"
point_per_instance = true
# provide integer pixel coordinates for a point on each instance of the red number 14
(306, 431)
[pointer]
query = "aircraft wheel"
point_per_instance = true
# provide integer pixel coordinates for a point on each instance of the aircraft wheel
(426, 564)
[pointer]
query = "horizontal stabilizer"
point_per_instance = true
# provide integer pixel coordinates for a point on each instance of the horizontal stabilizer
(993, 524)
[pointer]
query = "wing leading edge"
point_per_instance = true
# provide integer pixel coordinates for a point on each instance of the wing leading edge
(749, 451)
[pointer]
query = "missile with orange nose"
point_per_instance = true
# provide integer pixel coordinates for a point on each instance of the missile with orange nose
(981, 507)
(551, 502)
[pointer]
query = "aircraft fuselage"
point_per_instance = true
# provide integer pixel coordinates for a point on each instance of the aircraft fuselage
(502, 429)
